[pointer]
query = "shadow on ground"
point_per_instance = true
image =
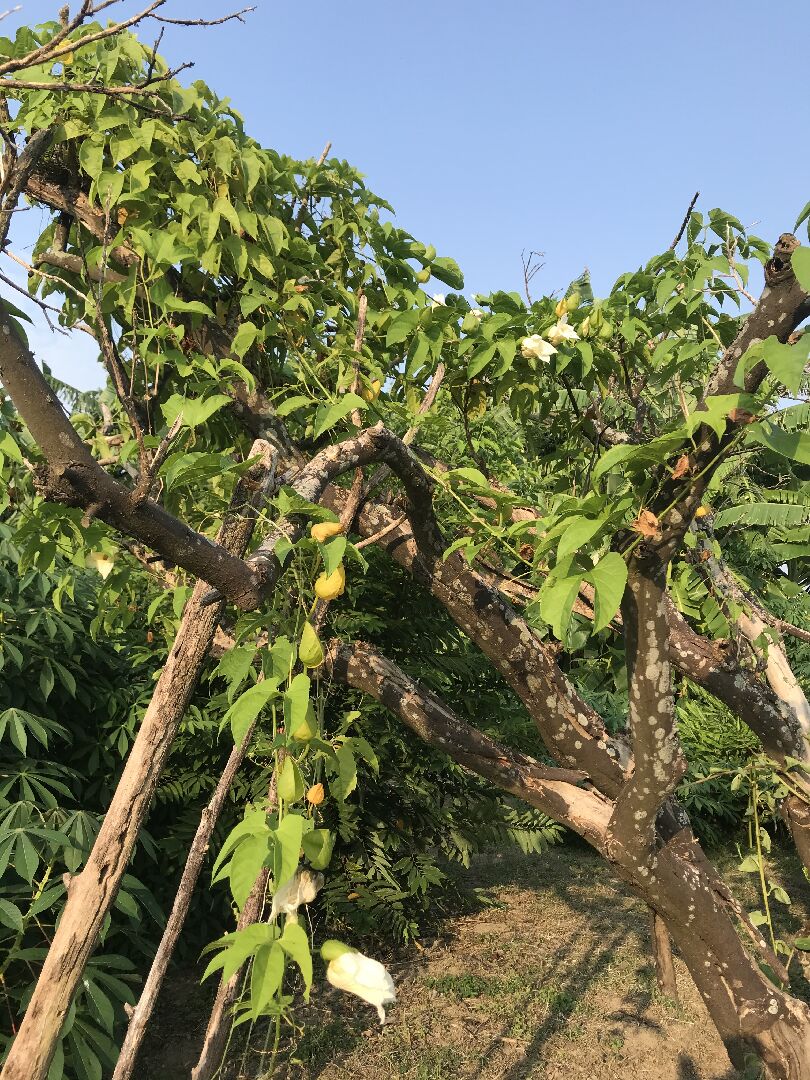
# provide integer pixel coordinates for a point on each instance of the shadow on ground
(543, 972)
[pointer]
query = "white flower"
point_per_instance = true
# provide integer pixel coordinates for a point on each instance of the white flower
(101, 562)
(561, 331)
(438, 301)
(300, 889)
(360, 975)
(477, 313)
(536, 347)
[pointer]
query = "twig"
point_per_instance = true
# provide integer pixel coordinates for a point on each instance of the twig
(304, 207)
(112, 362)
(45, 308)
(47, 53)
(204, 22)
(427, 401)
(147, 478)
(685, 222)
(362, 309)
(530, 268)
(733, 269)
(49, 277)
(383, 532)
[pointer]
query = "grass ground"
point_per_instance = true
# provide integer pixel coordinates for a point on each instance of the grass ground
(545, 972)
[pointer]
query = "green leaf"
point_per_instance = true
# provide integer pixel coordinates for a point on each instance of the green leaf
(295, 943)
(10, 915)
(9, 448)
(448, 271)
(290, 782)
(749, 865)
(291, 404)
(329, 415)
(333, 553)
(402, 326)
(790, 444)
(253, 824)
(577, 535)
(786, 362)
(480, 360)
(318, 845)
(802, 943)
(345, 781)
(192, 307)
(800, 260)
(238, 947)
(234, 666)
(46, 679)
(195, 410)
(282, 657)
(608, 578)
(244, 338)
(248, 859)
(557, 598)
(91, 158)
(265, 979)
(288, 845)
(248, 706)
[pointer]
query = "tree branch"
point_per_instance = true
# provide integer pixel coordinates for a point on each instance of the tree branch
(552, 790)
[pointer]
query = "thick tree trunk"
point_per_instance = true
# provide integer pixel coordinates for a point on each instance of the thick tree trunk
(92, 892)
(752, 1015)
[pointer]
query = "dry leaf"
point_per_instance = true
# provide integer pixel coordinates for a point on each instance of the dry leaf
(682, 467)
(741, 416)
(647, 524)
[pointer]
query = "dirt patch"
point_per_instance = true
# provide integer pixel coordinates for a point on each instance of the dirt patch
(546, 975)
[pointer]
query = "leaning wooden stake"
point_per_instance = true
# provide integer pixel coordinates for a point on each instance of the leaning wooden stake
(219, 1022)
(662, 951)
(92, 892)
(191, 872)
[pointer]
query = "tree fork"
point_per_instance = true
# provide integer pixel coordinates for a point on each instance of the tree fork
(92, 892)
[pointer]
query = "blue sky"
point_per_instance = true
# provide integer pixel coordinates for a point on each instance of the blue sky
(580, 130)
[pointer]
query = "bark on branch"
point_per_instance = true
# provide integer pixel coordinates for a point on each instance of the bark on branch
(554, 791)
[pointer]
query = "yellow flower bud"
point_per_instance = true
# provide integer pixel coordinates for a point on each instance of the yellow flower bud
(702, 511)
(572, 301)
(328, 586)
(585, 327)
(561, 309)
(315, 795)
(325, 529)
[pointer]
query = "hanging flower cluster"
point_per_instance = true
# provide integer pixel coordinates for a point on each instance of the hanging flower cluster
(540, 347)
